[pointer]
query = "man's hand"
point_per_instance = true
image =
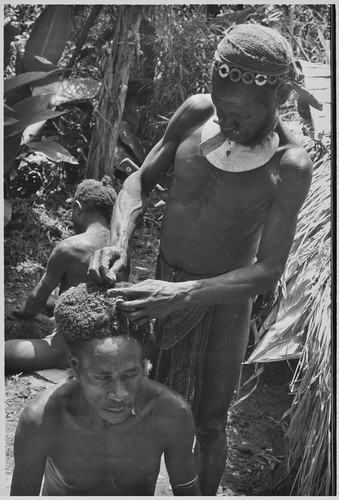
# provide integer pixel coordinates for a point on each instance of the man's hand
(105, 265)
(150, 299)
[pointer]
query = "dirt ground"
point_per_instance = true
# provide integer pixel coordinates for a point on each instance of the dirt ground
(255, 465)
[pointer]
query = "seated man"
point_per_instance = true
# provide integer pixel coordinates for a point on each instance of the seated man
(67, 266)
(104, 432)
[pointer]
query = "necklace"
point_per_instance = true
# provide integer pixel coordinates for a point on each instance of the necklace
(231, 156)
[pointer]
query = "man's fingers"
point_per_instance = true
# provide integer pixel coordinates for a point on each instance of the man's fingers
(115, 270)
(98, 269)
(93, 268)
(104, 270)
(130, 293)
(130, 305)
(138, 317)
(124, 293)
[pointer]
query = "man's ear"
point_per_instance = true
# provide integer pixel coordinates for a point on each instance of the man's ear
(77, 205)
(282, 93)
(74, 362)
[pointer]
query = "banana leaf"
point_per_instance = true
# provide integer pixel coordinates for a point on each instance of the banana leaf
(54, 151)
(50, 34)
(38, 63)
(27, 78)
(29, 111)
(71, 89)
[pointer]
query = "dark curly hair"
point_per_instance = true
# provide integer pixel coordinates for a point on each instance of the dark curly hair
(97, 195)
(86, 312)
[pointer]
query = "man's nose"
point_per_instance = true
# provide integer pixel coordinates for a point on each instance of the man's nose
(117, 391)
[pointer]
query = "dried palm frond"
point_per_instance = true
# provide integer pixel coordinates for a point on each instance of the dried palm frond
(300, 326)
(308, 436)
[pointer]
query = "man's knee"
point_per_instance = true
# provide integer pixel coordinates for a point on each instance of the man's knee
(18, 348)
(17, 353)
(211, 430)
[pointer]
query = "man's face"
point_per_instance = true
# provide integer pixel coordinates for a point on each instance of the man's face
(110, 372)
(246, 113)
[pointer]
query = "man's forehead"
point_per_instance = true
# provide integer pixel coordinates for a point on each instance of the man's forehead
(118, 347)
(231, 92)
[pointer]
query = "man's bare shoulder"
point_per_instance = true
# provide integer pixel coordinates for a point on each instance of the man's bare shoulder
(295, 165)
(193, 112)
(87, 238)
(168, 405)
(79, 244)
(66, 247)
(49, 405)
(292, 179)
(199, 103)
(295, 173)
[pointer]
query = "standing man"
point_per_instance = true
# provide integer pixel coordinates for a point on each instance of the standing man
(240, 180)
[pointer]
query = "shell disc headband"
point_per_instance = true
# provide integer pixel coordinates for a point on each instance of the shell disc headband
(236, 74)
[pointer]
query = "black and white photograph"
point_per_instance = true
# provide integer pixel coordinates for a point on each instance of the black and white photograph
(168, 249)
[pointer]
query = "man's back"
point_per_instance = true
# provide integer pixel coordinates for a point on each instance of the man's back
(67, 267)
(75, 253)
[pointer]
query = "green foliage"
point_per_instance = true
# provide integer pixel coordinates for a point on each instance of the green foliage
(25, 109)
(306, 27)
(185, 40)
(49, 35)
(32, 96)
(27, 112)
(183, 53)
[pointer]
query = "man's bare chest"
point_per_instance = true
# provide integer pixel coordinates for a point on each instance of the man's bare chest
(197, 181)
(98, 462)
(194, 174)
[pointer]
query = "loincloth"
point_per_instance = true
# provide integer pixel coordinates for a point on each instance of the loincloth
(184, 335)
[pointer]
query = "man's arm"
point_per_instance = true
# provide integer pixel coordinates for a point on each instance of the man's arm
(55, 269)
(155, 299)
(178, 454)
(133, 199)
(30, 454)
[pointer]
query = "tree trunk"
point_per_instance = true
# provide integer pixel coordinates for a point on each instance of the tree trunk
(117, 60)
(84, 33)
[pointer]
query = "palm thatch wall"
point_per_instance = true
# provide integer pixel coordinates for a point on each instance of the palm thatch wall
(299, 326)
(309, 431)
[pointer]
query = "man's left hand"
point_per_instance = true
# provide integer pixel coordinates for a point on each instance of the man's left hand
(149, 299)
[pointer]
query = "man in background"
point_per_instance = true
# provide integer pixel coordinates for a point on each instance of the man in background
(67, 266)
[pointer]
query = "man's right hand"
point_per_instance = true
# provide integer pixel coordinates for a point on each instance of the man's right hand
(105, 265)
